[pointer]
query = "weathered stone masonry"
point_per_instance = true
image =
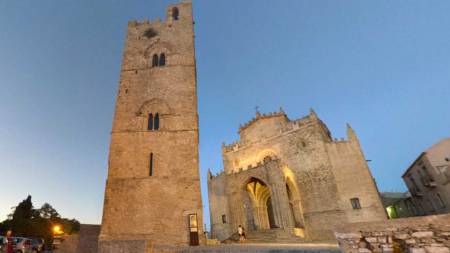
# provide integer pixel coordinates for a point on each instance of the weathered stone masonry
(291, 175)
(153, 184)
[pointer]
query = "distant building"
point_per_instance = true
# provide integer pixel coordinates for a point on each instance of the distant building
(398, 204)
(428, 179)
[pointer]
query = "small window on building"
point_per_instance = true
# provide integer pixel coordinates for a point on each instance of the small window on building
(150, 121)
(224, 218)
(447, 159)
(427, 174)
(162, 59)
(414, 184)
(175, 13)
(150, 165)
(156, 125)
(355, 203)
(155, 60)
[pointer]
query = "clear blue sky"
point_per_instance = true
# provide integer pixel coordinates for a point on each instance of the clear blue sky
(382, 66)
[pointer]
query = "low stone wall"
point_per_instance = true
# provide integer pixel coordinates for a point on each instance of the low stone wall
(426, 234)
(86, 241)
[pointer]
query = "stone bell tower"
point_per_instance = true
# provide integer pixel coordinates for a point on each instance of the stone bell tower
(152, 195)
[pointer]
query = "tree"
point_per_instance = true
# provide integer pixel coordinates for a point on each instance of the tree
(48, 212)
(27, 221)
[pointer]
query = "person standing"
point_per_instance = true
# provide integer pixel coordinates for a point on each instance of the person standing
(241, 233)
(9, 242)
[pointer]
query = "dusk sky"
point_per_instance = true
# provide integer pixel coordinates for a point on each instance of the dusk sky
(383, 66)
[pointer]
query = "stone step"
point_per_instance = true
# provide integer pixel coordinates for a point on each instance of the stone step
(261, 248)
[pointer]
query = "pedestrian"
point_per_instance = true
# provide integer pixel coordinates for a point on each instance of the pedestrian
(9, 242)
(241, 232)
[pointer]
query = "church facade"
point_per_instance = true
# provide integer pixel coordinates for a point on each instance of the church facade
(291, 177)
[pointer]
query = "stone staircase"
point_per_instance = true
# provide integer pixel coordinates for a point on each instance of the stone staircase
(267, 236)
(272, 235)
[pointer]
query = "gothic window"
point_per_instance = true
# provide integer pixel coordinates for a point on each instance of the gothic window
(155, 60)
(150, 121)
(156, 123)
(162, 59)
(150, 168)
(355, 203)
(175, 13)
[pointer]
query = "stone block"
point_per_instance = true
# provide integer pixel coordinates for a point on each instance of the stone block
(416, 250)
(371, 239)
(402, 236)
(423, 234)
(347, 235)
(410, 241)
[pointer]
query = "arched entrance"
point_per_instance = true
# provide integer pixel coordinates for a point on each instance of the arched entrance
(294, 203)
(259, 210)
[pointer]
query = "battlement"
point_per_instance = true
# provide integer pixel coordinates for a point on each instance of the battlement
(174, 12)
(288, 126)
(258, 116)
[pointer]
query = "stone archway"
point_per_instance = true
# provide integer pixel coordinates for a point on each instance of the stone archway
(259, 208)
(294, 201)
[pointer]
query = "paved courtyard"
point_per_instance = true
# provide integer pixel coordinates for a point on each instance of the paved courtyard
(265, 248)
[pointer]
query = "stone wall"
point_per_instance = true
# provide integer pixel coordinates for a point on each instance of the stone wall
(427, 234)
(86, 241)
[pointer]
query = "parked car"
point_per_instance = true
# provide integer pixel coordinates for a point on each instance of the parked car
(22, 245)
(2, 243)
(37, 245)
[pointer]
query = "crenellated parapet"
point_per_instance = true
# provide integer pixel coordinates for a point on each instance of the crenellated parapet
(284, 126)
(259, 116)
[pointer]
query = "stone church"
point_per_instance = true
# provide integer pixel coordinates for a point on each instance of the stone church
(152, 196)
(283, 175)
(290, 179)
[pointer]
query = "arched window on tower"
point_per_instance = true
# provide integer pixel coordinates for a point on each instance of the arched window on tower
(156, 121)
(155, 60)
(162, 59)
(150, 121)
(175, 13)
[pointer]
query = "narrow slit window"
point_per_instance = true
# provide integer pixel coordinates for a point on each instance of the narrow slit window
(150, 167)
(155, 60)
(156, 126)
(224, 219)
(162, 59)
(150, 121)
(355, 203)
